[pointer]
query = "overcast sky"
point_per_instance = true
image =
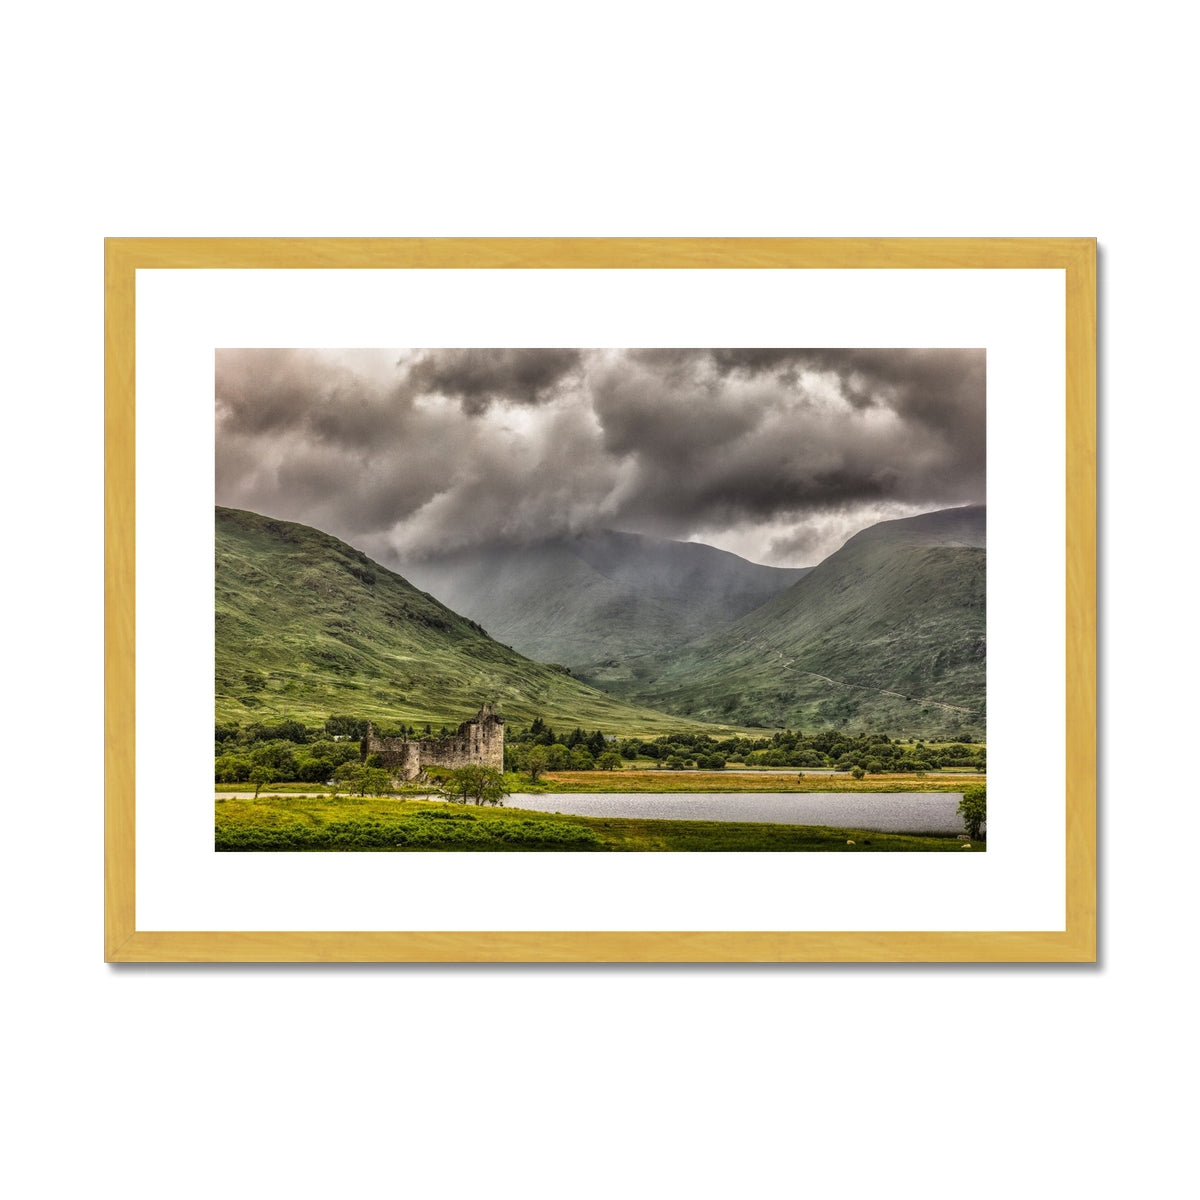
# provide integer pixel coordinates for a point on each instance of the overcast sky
(777, 455)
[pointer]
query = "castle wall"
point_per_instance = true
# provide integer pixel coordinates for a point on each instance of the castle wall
(399, 756)
(478, 742)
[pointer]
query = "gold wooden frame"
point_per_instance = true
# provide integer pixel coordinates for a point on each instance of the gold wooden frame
(124, 942)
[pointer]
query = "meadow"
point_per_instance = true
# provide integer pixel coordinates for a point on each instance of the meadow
(739, 781)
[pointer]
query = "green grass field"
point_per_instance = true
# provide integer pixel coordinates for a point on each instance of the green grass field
(280, 823)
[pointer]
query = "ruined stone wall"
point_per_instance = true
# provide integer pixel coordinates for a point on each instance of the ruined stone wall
(399, 756)
(478, 742)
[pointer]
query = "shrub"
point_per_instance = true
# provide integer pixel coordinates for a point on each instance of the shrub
(434, 830)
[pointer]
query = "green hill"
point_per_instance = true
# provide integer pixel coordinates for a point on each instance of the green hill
(308, 627)
(594, 600)
(887, 634)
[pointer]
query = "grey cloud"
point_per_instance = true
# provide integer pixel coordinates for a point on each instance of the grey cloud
(676, 413)
(943, 389)
(275, 392)
(819, 536)
(782, 449)
(479, 378)
(728, 436)
(551, 480)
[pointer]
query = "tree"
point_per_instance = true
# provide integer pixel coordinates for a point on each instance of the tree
(536, 762)
(313, 770)
(260, 775)
(973, 810)
(361, 779)
(278, 755)
(581, 758)
(346, 727)
(610, 760)
(349, 773)
(232, 768)
(483, 785)
(374, 780)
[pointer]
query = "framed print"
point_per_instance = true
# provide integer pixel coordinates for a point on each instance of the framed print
(600, 600)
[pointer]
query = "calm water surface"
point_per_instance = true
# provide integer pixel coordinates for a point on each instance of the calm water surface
(888, 812)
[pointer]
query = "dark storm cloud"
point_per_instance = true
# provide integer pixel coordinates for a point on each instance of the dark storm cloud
(752, 360)
(725, 435)
(479, 378)
(941, 389)
(929, 385)
(775, 453)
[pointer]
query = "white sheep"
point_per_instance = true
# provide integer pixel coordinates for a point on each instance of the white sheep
(849, 842)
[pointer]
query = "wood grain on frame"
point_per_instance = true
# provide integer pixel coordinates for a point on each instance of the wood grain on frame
(124, 942)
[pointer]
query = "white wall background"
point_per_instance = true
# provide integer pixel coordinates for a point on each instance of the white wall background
(917, 119)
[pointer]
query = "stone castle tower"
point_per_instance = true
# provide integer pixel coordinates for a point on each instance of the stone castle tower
(478, 742)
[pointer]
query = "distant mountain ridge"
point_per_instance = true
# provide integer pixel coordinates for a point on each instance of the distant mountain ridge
(887, 633)
(593, 600)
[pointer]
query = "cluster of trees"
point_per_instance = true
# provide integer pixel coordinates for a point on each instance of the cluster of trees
(870, 753)
(679, 750)
(539, 749)
(287, 751)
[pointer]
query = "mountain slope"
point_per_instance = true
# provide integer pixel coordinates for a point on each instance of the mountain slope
(307, 627)
(591, 601)
(888, 633)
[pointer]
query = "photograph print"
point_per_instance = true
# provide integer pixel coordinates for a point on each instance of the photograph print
(601, 600)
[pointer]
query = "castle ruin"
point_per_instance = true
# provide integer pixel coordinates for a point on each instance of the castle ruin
(478, 742)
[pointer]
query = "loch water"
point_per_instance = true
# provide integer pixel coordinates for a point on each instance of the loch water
(886, 812)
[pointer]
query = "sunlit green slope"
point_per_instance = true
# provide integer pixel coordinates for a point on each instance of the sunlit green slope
(308, 627)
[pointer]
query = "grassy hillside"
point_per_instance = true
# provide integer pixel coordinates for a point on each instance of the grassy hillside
(887, 634)
(308, 627)
(590, 602)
